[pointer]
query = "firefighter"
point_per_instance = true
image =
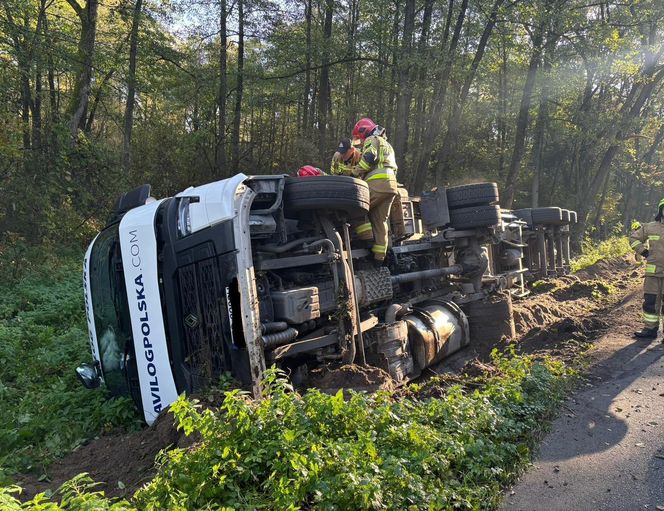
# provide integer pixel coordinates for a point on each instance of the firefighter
(648, 242)
(378, 168)
(345, 159)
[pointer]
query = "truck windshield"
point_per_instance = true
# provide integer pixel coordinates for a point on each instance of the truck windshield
(110, 308)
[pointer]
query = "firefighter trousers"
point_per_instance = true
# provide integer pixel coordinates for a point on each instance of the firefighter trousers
(653, 288)
(382, 193)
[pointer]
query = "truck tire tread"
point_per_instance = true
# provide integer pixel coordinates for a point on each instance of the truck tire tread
(339, 193)
(479, 194)
(476, 216)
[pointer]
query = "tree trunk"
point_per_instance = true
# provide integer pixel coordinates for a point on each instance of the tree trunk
(600, 205)
(36, 109)
(522, 121)
(52, 90)
(452, 134)
(306, 110)
(221, 94)
(435, 125)
(235, 142)
(388, 113)
(542, 121)
(26, 101)
(324, 92)
(131, 87)
(97, 99)
(405, 93)
(423, 54)
(502, 114)
(78, 106)
(352, 68)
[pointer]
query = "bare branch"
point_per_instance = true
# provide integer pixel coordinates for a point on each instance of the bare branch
(345, 60)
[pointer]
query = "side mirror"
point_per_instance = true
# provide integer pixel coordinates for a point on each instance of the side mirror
(89, 375)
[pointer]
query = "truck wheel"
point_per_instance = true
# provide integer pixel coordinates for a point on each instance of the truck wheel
(477, 216)
(340, 193)
(479, 194)
(551, 216)
(525, 214)
(491, 319)
(566, 216)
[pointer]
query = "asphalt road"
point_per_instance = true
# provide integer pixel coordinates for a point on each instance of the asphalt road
(606, 449)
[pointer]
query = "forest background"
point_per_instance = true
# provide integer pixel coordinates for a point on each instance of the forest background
(559, 101)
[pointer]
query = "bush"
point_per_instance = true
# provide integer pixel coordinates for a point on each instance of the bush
(592, 252)
(317, 451)
(77, 494)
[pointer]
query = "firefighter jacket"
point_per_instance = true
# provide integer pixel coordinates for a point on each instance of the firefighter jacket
(650, 236)
(339, 167)
(378, 161)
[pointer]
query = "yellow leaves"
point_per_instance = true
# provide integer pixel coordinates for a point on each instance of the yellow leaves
(613, 41)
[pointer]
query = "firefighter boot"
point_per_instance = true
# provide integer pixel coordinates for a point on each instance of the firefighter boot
(646, 333)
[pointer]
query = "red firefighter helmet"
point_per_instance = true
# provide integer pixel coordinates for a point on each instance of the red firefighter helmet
(309, 170)
(363, 128)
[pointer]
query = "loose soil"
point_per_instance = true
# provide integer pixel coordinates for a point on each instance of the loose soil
(123, 462)
(366, 379)
(558, 319)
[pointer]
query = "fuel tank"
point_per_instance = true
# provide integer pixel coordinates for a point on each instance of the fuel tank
(436, 330)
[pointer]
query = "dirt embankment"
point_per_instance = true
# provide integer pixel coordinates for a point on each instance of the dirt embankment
(558, 318)
(123, 462)
(575, 309)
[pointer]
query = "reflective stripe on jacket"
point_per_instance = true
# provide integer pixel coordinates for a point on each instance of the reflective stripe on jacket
(339, 167)
(650, 236)
(377, 153)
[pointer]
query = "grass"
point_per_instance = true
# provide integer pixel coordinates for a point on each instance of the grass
(436, 446)
(593, 252)
(46, 413)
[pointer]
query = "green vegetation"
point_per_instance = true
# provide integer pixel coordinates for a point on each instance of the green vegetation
(593, 252)
(78, 494)
(543, 286)
(434, 446)
(598, 290)
(558, 101)
(46, 412)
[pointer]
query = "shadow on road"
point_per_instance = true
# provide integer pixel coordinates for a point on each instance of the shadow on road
(595, 420)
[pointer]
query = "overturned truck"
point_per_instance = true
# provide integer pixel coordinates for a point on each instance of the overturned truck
(244, 273)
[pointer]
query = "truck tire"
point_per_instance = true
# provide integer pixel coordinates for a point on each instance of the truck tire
(566, 216)
(549, 216)
(491, 319)
(339, 193)
(479, 194)
(476, 216)
(525, 214)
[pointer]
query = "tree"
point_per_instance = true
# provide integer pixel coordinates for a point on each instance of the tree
(522, 119)
(80, 96)
(220, 149)
(324, 107)
(131, 85)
